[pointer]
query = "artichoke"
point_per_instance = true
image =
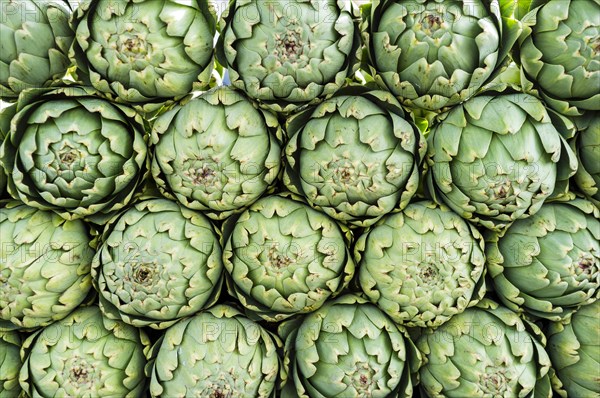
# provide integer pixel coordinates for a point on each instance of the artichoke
(10, 364)
(216, 153)
(75, 153)
(423, 265)
(158, 262)
(586, 145)
(348, 348)
(486, 351)
(559, 54)
(285, 258)
(145, 52)
(496, 159)
(45, 268)
(434, 54)
(548, 264)
(6, 114)
(85, 355)
(574, 349)
(216, 353)
(356, 156)
(36, 37)
(289, 53)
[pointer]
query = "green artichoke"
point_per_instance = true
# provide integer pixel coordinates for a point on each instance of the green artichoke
(73, 152)
(586, 145)
(145, 51)
(85, 355)
(217, 153)
(36, 37)
(216, 353)
(10, 364)
(574, 349)
(356, 156)
(6, 114)
(559, 54)
(496, 159)
(548, 264)
(434, 54)
(158, 262)
(423, 265)
(45, 268)
(285, 258)
(289, 53)
(486, 351)
(348, 348)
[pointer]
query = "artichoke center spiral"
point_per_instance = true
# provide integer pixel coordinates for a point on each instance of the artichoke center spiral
(69, 157)
(80, 373)
(494, 382)
(587, 264)
(431, 23)
(278, 260)
(201, 174)
(362, 380)
(130, 46)
(221, 387)
(289, 45)
(428, 274)
(500, 188)
(144, 274)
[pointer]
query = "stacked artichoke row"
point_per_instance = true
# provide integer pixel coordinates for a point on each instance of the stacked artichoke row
(300, 198)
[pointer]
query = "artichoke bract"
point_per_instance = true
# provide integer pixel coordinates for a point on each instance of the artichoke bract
(486, 351)
(85, 355)
(284, 258)
(289, 53)
(75, 153)
(36, 37)
(145, 52)
(10, 364)
(45, 269)
(355, 157)
(586, 145)
(433, 54)
(216, 353)
(574, 349)
(216, 153)
(559, 54)
(548, 264)
(158, 262)
(348, 348)
(496, 159)
(423, 265)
